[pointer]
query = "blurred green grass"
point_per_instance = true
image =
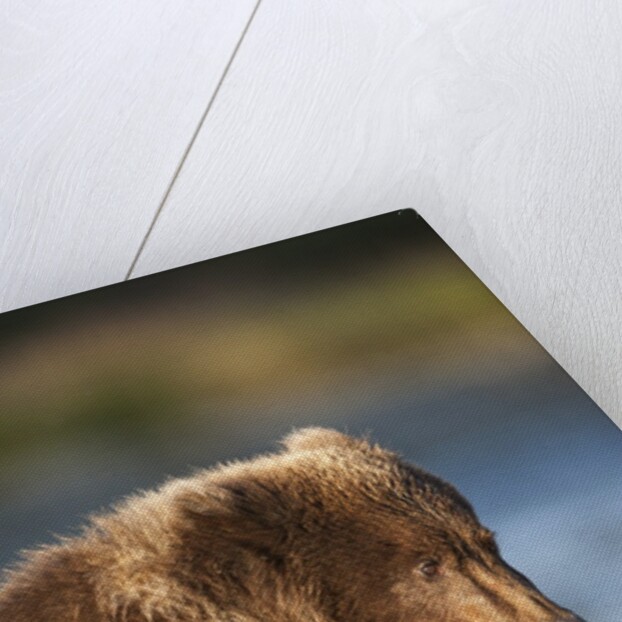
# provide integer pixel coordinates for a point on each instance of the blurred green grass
(126, 377)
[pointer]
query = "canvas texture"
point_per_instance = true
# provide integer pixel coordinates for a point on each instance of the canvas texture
(299, 413)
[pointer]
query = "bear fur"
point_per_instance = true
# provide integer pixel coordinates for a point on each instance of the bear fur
(330, 529)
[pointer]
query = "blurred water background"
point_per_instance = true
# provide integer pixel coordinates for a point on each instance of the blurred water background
(374, 327)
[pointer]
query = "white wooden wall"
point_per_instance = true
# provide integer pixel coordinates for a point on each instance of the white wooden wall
(139, 136)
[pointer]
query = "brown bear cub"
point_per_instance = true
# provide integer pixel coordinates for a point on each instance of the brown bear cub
(329, 529)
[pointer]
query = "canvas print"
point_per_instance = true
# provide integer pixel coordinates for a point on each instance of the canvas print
(345, 426)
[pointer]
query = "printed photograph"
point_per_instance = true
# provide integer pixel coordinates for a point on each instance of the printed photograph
(346, 426)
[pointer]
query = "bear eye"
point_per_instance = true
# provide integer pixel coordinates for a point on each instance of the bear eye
(430, 568)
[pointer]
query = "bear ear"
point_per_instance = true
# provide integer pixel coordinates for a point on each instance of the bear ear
(308, 439)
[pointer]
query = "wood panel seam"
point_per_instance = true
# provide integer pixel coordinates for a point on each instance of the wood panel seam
(193, 138)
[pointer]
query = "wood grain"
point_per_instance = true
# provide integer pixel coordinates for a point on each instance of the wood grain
(98, 102)
(499, 121)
